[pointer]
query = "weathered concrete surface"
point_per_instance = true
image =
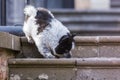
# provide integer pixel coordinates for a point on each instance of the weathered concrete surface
(9, 41)
(55, 69)
(87, 68)
(9, 48)
(5, 54)
(29, 50)
(97, 46)
(65, 69)
(85, 51)
(37, 62)
(86, 47)
(98, 69)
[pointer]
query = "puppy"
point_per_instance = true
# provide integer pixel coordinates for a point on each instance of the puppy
(51, 37)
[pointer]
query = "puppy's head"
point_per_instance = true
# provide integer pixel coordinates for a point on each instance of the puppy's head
(65, 45)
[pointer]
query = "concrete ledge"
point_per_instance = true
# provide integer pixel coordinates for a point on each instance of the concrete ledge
(86, 47)
(71, 69)
(9, 41)
(29, 62)
(90, 39)
(97, 46)
(32, 69)
(97, 39)
(29, 50)
(98, 62)
(73, 62)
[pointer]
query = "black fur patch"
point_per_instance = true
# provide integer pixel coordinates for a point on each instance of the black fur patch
(42, 18)
(65, 44)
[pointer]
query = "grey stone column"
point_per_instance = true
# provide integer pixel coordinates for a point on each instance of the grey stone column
(14, 12)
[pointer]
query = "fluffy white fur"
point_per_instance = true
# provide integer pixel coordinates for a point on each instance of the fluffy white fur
(49, 38)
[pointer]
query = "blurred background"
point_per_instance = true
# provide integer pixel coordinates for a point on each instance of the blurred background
(11, 11)
(85, 16)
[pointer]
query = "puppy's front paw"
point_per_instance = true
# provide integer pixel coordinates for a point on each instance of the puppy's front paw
(49, 56)
(31, 41)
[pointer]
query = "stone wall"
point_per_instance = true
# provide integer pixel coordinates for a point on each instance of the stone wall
(86, 47)
(97, 46)
(92, 56)
(4, 56)
(9, 47)
(65, 69)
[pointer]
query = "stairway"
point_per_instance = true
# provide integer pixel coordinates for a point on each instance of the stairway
(65, 69)
(91, 22)
(95, 57)
(86, 47)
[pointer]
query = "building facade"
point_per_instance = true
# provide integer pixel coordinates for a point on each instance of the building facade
(11, 11)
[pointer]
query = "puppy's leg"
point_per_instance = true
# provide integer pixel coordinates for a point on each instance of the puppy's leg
(45, 51)
(26, 30)
(30, 39)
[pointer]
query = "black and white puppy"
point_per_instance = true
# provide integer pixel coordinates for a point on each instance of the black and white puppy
(50, 36)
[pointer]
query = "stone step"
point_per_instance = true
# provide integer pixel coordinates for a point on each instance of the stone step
(64, 69)
(86, 47)
(88, 27)
(86, 14)
(88, 22)
(9, 41)
(94, 24)
(97, 46)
